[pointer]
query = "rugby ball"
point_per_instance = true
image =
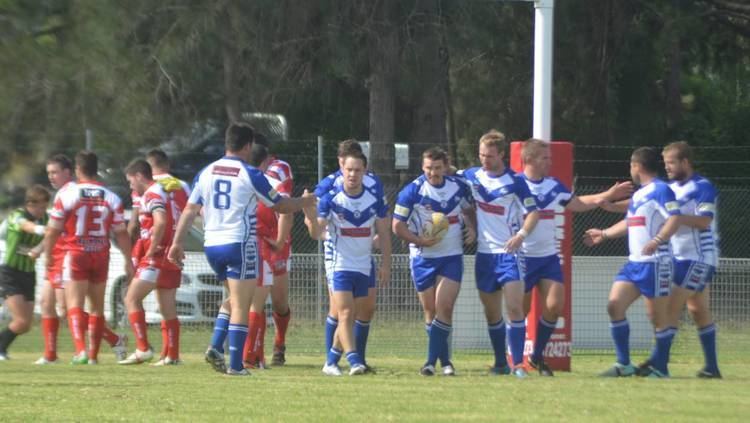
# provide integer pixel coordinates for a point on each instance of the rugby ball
(437, 227)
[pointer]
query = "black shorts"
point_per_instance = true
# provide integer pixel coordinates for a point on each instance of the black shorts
(16, 282)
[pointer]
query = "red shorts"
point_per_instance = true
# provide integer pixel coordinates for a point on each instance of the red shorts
(165, 274)
(54, 268)
(85, 266)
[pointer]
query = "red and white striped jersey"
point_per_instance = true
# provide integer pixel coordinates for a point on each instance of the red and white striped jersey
(86, 212)
(157, 198)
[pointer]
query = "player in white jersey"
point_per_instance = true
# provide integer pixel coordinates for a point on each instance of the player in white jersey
(348, 215)
(695, 249)
(502, 199)
(227, 191)
(653, 217)
(436, 262)
(541, 250)
(366, 310)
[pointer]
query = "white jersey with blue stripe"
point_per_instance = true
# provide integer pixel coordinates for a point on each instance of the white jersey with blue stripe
(649, 208)
(551, 198)
(501, 202)
(350, 228)
(228, 190)
(418, 200)
(697, 197)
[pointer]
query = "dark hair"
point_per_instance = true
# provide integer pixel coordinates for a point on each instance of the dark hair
(683, 149)
(356, 155)
(648, 158)
(158, 158)
(238, 135)
(261, 139)
(61, 160)
(37, 194)
(258, 153)
(347, 146)
(87, 162)
(139, 166)
(436, 153)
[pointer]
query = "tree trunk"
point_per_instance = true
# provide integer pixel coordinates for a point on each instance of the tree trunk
(229, 62)
(384, 56)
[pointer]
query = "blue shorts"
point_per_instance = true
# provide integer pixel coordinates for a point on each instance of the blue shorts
(236, 261)
(693, 275)
(330, 272)
(495, 270)
(355, 282)
(538, 268)
(424, 271)
(652, 278)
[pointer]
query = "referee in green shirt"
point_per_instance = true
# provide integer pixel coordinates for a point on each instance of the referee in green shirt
(23, 232)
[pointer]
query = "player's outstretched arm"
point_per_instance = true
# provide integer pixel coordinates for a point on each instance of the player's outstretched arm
(177, 251)
(618, 191)
(470, 225)
(596, 236)
(50, 239)
(384, 273)
(295, 204)
(529, 223)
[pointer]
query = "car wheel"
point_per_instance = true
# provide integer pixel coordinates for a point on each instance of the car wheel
(119, 313)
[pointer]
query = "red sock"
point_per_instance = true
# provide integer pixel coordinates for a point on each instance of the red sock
(96, 326)
(252, 336)
(109, 336)
(260, 341)
(281, 323)
(173, 338)
(138, 323)
(77, 323)
(164, 339)
(50, 325)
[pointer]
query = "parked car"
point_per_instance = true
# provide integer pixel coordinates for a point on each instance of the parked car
(198, 298)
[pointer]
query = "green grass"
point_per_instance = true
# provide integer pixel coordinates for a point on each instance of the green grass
(299, 392)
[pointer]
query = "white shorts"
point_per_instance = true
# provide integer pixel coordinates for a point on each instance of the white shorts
(268, 270)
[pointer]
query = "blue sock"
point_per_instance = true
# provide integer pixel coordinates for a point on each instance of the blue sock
(237, 335)
(438, 342)
(621, 335)
(353, 358)
(707, 336)
(361, 331)
(664, 339)
(220, 332)
(517, 340)
(334, 355)
(497, 338)
(331, 324)
(544, 331)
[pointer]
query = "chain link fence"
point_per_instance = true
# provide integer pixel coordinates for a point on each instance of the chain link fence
(398, 328)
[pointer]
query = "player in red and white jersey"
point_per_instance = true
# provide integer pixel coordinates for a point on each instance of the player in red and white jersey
(274, 241)
(158, 213)
(82, 218)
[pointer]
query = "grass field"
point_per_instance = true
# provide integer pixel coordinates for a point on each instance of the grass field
(299, 392)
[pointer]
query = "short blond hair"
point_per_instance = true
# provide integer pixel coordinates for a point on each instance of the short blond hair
(531, 148)
(494, 138)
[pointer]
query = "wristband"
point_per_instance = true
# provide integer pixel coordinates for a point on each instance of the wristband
(522, 233)
(39, 229)
(659, 240)
(604, 234)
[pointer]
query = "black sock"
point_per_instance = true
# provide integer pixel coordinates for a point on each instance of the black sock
(6, 338)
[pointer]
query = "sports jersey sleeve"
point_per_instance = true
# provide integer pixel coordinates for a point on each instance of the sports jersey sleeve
(15, 220)
(118, 213)
(378, 189)
(196, 195)
(528, 203)
(266, 193)
(564, 195)
(404, 203)
(706, 200)
(381, 207)
(667, 204)
(324, 206)
(153, 202)
(325, 185)
(467, 199)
